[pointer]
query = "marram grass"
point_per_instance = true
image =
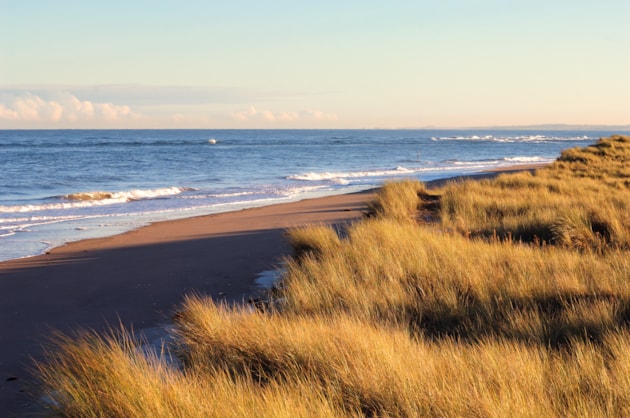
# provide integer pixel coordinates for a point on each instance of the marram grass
(492, 298)
(581, 201)
(442, 284)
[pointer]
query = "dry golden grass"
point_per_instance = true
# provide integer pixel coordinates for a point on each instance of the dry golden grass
(247, 363)
(313, 240)
(398, 200)
(109, 376)
(581, 201)
(438, 283)
(505, 297)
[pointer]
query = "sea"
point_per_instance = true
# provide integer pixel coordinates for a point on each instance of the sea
(58, 186)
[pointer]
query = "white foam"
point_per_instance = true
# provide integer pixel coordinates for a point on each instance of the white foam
(36, 219)
(296, 191)
(135, 194)
(527, 159)
(95, 198)
(312, 176)
(515, 138)
(218, 195)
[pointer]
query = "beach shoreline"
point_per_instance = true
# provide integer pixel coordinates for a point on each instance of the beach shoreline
(138, 278)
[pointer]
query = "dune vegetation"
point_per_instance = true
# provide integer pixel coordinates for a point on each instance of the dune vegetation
(500, 297)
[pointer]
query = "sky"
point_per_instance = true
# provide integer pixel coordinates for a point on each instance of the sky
(316, 64)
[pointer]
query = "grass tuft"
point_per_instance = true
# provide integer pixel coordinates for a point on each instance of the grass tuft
(313, 240)
(397, 200)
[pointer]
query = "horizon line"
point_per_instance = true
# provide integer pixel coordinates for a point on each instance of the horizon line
(551, 127)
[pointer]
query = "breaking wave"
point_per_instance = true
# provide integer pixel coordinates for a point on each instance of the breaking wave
(95, 198)
(354, 174)
(219, 195)
(514, 138)
(137, 194)
(528, 159)
(342, 178)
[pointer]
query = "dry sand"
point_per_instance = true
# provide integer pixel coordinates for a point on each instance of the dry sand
(139, 277)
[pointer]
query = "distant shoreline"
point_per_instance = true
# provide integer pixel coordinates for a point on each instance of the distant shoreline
(550, 127)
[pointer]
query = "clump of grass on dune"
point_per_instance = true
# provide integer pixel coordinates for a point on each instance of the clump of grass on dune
(533, 208)
(500, 297)
(606, 161)
(398, 200)
(359, 365)
(90, 375)
(249, 363)
(376, 370)
(313, 240)
(581, 201)
(444, 284)
(380, 371)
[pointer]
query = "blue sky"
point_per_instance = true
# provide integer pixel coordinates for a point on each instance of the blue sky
(326, 64)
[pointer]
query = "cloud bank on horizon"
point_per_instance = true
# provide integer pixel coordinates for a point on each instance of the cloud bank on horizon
(44, 107)
(30, 108)
(328, 64)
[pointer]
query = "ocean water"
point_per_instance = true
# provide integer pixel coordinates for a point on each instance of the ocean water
(58, 186)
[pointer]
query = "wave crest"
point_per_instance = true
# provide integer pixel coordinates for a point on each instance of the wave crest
(95, 198)
(312, 176)
(88, 196)
(513, 138)
(527, 159)
(137, 194)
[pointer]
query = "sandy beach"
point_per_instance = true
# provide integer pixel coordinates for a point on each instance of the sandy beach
(138, 278)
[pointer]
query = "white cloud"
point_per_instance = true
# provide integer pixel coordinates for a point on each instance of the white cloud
(139, 95)
(252, 114)
(77, 109)
(318, 115)
(7, 114)
(32, 108)
(245, 115)
(39, 107)
(111, 112)
(287, 116)
(59, 108)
